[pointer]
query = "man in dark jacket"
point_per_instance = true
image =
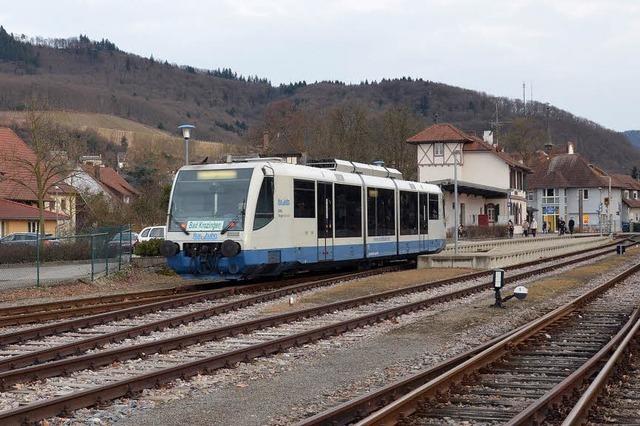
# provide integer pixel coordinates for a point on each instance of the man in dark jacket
(572, 224)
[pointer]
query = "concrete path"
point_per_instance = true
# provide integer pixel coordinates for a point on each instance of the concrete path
(21, 277)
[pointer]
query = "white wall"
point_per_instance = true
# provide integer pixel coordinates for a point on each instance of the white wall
(485, 168)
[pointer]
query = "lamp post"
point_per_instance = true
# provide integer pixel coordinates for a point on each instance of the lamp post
(186, 134)
(455, 201)
(600, 211)
(609, 210)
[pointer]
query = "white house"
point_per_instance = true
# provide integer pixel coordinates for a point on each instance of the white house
(490, 181)
(565, 185)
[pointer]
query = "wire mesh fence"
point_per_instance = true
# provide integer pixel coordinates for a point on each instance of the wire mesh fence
(28, 259)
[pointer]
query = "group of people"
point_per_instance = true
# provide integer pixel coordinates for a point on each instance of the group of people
(532, 227)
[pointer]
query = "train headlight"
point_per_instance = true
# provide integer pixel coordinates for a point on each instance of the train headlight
(169, 248)
(230, 248)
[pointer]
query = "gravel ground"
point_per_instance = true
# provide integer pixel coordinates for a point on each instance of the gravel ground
(278, 390)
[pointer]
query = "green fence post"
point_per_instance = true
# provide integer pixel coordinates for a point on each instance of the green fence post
(38, 258)
(106, 255)
(120, 249)
(92, 258)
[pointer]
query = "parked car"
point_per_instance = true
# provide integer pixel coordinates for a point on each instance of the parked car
(152, 233)
(29, 238)
(125, 240)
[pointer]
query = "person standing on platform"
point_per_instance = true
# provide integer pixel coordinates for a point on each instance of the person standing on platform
(525, 228)
(544, 226)
(534, 227)
(572, 224)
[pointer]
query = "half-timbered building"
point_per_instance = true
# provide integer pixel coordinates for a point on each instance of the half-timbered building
(490, 181)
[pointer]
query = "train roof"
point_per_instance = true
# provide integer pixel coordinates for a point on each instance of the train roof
(323, 173)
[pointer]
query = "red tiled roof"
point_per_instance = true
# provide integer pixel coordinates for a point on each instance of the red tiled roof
(634, 204)
(14, 210)
(13, 148)
(624, 181)
(111, 180)
(449, 133)
(444, 132)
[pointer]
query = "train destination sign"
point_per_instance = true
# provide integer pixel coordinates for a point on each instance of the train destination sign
(205, 225)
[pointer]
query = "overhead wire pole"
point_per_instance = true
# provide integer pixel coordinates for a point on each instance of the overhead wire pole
(455, 201)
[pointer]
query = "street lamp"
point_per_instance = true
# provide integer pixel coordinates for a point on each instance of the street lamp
(455, 201)
(186, 134)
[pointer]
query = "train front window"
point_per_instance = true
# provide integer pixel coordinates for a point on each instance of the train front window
(210, 200)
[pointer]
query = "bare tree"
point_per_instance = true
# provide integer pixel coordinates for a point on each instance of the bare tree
(524, 136)
(47, 165)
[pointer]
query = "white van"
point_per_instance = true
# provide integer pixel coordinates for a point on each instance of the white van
(152, 233)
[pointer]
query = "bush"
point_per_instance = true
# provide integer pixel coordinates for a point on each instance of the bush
(148, 248)
(66, 250)
(481, 232)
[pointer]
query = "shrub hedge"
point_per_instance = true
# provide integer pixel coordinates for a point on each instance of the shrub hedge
(148, 248)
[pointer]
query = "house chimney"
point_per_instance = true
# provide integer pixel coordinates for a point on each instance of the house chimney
(571, 147)
(96, 171)
(548, 147)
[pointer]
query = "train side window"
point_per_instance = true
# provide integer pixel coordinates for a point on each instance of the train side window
(381, 212)
(408, 213)
(424, 213)
(348, 206)
(264, 205)
(304, 198)
(433, 207)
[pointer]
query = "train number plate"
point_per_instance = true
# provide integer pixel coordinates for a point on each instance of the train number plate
(205, 225)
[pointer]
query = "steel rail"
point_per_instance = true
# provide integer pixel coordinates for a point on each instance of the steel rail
(113, 390)
(29, 318)
(407, 404)
(580, 412)
(566, 388)
(84, 301)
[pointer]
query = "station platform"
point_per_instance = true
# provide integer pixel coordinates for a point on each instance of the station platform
(489, 254)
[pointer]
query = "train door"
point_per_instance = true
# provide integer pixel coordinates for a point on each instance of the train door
(423, 214)
(325, 221)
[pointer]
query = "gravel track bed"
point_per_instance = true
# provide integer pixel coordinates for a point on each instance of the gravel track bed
(84, 379)
(109, 327)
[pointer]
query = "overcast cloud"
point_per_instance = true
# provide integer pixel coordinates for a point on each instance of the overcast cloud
(581, 55)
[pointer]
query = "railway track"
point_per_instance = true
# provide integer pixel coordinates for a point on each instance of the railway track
(528, 376)
(42, 312)
(206, 350)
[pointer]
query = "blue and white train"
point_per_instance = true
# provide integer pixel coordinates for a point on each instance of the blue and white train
(264, 217)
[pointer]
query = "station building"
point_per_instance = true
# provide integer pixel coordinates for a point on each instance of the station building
(490, 182)
(565, 185)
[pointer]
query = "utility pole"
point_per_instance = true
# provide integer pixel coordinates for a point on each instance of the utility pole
(524, 99)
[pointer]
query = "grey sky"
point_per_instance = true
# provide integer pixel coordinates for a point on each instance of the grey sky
(581, 55)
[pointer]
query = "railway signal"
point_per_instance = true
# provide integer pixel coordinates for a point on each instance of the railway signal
(519, 292)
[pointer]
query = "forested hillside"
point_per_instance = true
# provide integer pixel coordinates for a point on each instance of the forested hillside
(359, 121)
(634, 137)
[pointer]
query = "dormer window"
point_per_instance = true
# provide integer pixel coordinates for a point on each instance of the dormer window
(635, 195)
(438, 149)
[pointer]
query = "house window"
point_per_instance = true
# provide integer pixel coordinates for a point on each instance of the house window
(530, 196)
(585, 194)
(63, 204)
(635, 195)
(438, 149)
(33, 226)
(626, 194)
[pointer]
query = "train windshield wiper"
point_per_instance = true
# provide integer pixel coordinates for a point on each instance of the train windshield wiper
(174, 220)
(233, 221)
